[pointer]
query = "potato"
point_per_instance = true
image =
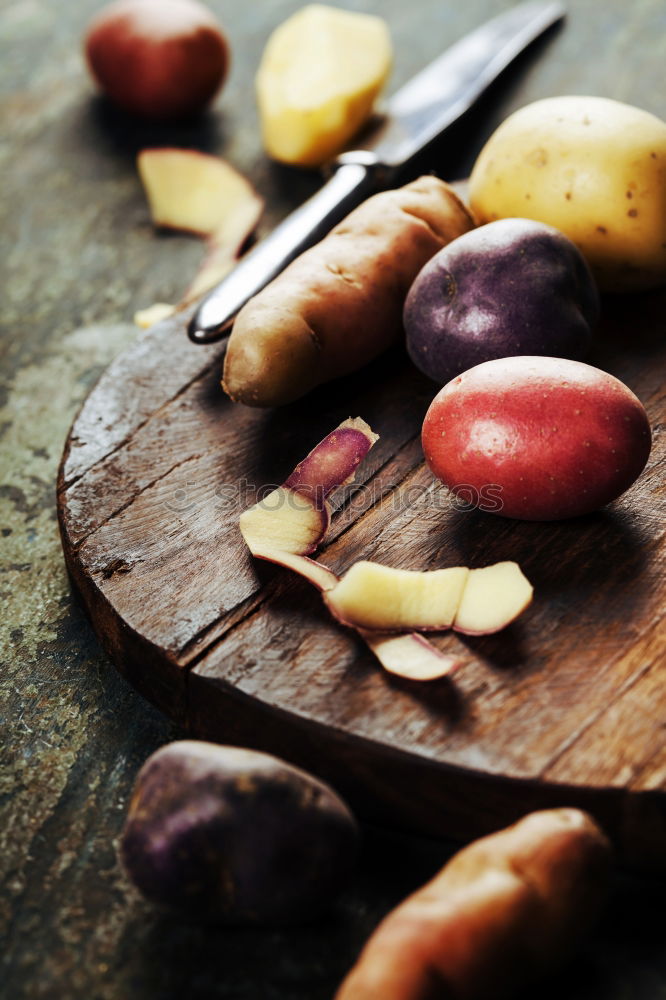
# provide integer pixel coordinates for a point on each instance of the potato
(593, 168)
(161, 59)
(236, 835)
(556, 438)
(317, 82)
(514, 286)
(505, 911)
(339, 304)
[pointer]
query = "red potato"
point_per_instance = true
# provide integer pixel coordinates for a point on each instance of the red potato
(555, 438)
(503, 912)
(157, 58)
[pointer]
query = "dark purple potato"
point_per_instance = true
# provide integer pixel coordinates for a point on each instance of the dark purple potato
(511, 287)
(236, 835)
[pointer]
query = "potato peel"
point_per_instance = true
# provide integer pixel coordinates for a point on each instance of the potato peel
(274, 537)
(193, 192)
(388, 608)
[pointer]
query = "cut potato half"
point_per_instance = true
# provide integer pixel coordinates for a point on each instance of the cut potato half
(317, 82)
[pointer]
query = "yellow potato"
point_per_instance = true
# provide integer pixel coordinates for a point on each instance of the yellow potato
(593, 168)
(317, 82)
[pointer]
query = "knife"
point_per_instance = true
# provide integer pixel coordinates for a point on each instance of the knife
(417, 115)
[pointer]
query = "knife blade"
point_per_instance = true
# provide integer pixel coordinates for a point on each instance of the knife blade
(417, 114)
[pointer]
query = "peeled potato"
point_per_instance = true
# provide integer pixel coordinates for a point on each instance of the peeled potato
(593, 168)
(317, 82)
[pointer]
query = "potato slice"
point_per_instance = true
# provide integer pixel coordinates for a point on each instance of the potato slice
(319, 575)
(377, 601)
(284, 521)
(411, 656)
(147, 317)
(493, 597)
(193, 191)
(319, 76)
(373, 596)
(293, 520)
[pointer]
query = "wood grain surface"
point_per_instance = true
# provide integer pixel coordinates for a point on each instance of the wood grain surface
(564, 707)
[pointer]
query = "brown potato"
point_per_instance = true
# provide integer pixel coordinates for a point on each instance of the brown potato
(339, 304)
(504, 911)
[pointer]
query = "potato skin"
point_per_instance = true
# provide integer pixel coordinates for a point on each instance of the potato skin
(505, 910)
(514, 286)
(235, 835)
(162, 59)
(592, 167)
(339, 305)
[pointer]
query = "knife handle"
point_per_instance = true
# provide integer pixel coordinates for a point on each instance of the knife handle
(355, 175)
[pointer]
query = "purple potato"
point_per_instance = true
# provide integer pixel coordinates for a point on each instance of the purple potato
(511, 287)
(235, 835)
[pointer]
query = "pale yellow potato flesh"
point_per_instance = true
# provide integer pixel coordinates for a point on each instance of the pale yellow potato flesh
(317, 82)
(493, 597)
(592, 167)
(194, 191)
(373, 596)
(147, 317)
(410, 656)
(284, 521)
(204, 195)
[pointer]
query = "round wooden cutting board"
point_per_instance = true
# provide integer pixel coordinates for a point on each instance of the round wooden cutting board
(567, 706)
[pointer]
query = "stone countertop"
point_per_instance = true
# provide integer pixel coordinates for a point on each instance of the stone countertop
(79, 258)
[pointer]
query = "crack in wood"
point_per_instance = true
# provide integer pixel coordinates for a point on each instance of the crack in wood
(119, 566)
(592, 721)
(66, 484)
(254, 603)
(144, 489)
